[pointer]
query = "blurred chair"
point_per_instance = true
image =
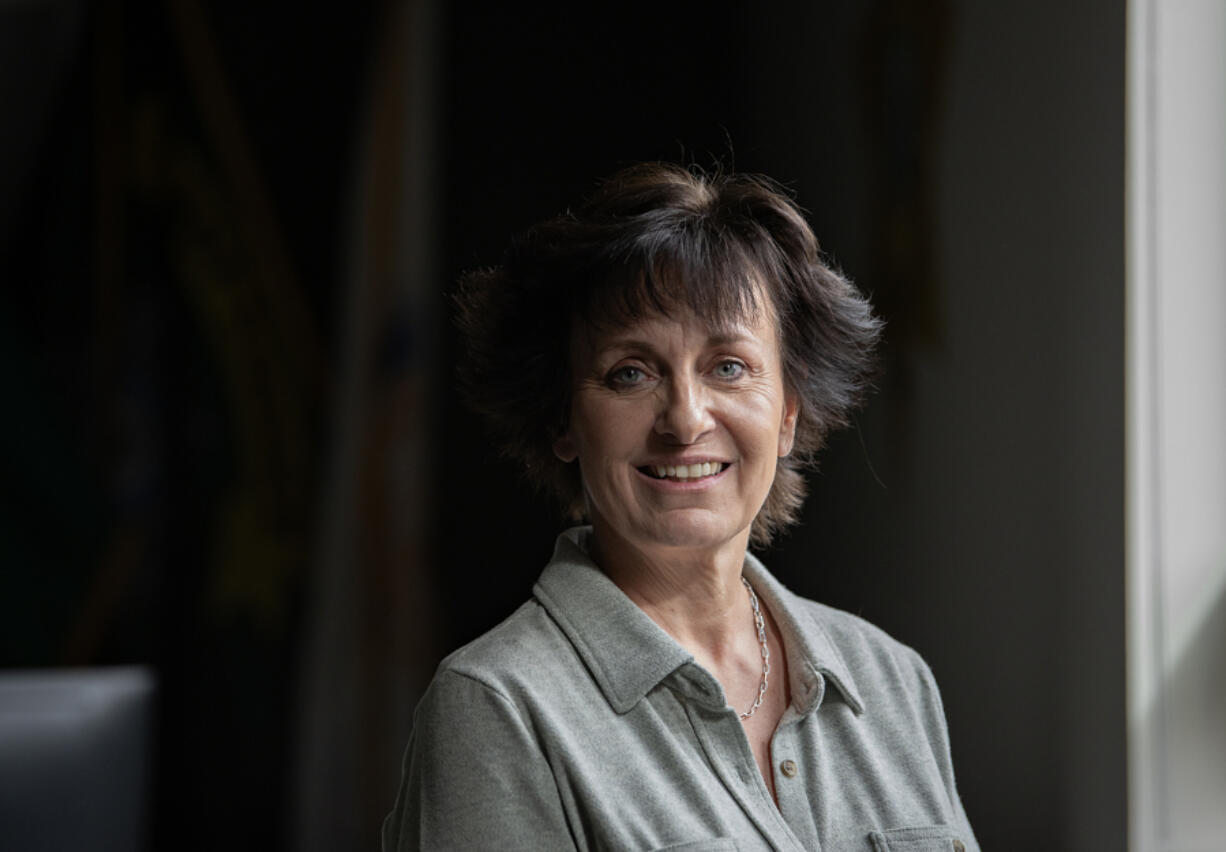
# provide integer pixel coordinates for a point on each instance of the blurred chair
(75, 759)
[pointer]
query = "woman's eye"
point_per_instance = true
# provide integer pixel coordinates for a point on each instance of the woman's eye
(626, 377)
(729, 369)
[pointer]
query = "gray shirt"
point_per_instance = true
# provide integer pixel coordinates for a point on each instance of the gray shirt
(578, 723)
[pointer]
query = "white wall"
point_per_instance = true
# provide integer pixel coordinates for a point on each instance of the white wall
(1177, 425)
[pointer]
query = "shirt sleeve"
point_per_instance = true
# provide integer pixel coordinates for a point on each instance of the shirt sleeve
(938, 734)
(474, 776)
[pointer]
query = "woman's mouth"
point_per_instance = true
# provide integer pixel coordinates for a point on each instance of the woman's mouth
(683, 472)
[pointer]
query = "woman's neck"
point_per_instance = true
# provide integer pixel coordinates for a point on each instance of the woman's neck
(695, 595)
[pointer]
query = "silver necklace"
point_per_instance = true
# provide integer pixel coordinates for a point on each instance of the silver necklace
(760, 623)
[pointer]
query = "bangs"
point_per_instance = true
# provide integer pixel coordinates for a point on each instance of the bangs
(718, 284)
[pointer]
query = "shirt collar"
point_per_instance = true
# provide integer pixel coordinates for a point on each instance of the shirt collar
(813, 659)
(628, 654)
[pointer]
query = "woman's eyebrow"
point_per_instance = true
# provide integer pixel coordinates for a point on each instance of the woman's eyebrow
(728, 336)
(609, 344)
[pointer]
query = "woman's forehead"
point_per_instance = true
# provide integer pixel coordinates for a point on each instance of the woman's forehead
(649, 329)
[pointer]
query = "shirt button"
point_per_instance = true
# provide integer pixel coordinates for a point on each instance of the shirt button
(789, 768)
(959, 846)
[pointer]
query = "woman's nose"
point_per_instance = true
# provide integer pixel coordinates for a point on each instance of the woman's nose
(685, 413)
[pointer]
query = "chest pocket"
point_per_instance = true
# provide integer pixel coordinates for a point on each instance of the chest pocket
(937, 838)
(718, 844)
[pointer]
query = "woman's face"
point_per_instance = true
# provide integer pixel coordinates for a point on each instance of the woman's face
(677, 428)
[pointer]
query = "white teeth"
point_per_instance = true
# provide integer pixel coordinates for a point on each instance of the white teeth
(687, 471)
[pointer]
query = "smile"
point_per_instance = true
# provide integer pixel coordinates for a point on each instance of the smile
(683, 472)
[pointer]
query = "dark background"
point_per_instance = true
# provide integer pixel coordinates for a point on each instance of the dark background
(233, 447)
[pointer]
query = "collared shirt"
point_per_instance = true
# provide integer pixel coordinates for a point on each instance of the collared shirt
(578, 723)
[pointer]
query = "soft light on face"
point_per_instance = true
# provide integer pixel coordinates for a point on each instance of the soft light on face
(677, 429)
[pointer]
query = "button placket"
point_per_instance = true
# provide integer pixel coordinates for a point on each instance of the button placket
(791, 792)
(723, 740)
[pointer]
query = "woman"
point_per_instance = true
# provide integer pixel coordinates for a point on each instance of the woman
(667, 359)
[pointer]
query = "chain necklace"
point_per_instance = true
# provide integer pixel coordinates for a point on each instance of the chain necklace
(760, 623)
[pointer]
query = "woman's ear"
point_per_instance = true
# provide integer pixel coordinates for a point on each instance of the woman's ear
(787, 424)
(564, 447)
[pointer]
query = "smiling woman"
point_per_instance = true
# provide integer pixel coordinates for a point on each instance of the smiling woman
(661, 689)
(706, 406)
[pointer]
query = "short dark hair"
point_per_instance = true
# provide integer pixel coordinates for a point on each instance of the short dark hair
(653, 237)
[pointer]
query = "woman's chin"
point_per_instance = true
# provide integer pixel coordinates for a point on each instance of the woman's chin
(690, 530)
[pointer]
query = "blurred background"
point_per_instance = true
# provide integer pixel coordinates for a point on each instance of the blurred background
(234, 453)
